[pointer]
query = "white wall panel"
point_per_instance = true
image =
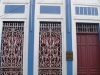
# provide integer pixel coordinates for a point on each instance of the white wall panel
(50, 1)
(15, 1)
(87, 1)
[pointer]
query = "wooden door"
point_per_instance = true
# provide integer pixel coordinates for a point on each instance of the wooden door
(88, 54)
(93, 55)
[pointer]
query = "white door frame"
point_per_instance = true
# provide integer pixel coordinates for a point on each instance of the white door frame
(36, 44)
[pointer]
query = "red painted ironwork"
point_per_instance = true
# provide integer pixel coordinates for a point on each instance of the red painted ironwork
(87, 28)
(12, 48)
(50, 49)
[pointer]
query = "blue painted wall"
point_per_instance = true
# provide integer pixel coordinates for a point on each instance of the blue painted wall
(31, 38)
(14, 8)
(69, 35)
(50, 9)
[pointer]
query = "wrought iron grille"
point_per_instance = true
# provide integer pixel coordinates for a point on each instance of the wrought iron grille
(86, 28)
(50, 48)
(12, 48)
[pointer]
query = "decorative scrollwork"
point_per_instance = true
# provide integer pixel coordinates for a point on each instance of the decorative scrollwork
(50, 49)
(50, 72)
(12, 48)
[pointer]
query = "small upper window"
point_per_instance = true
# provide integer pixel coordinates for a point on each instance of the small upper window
(14, 8)
(86, 10)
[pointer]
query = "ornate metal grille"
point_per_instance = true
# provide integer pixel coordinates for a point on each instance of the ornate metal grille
(50, 49)
(12, 48)
(86, 28)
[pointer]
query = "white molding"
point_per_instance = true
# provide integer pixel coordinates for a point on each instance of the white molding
(74, 48)
(13, 20)
(25, 49)
(84, 17)
(63, 12)
(26, 34)
(86, 4)
(12, 17)
(49, 1)
(36, 42)
(74, 45)
(15, 3)
(49, 17)
(87, 21)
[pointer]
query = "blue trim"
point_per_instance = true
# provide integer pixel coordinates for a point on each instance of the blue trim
(14, 8)
(69, 35)
(50, 9)
(31, 38)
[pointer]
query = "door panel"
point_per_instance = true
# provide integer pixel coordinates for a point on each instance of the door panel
(88, 54)
(93, 54)
(82, 54)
